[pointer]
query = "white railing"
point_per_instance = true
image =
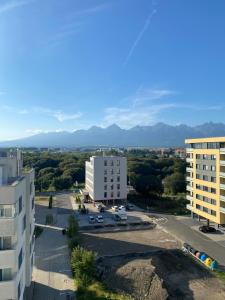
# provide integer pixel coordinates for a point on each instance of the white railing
(189, 207)
(189, 198)
(222, 186)
(222, 198)
(222, 210)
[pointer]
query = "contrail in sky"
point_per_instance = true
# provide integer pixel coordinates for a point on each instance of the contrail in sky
(140, 35)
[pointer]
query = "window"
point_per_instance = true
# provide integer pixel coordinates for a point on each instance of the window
(118, 186)
(31, 187)
(32, 204)
(205, 209)
(213, 191)
(24, 222)
(213, 157)
(20, 258)
(198, 176)
(105, 163)
(111, 179)
(7, 211)
(213, 213)
(105, 172)
(197, 166)
(118, 162)
(112, 194)
(20, 204)
(19, 290)
(5, 243)
(205, 177)
(105, 187)
(5, 274)
(105, 195)
(118, 171)
(198, 156)
(111, 171)
(118, 194)
(112, 187)
(213, 168)
(205, 156)
(198, 206)
(111, 163)
(118, 178)
(213, 201)
(213, 179)
(105, 179)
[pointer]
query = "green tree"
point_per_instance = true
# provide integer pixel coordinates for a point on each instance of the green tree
(62, 182)
(83, 265)
(174, 184)
(50, 202)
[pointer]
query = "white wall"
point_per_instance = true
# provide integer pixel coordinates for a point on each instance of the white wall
(95, 174)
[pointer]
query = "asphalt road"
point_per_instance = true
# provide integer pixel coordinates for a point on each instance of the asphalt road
(198, 240)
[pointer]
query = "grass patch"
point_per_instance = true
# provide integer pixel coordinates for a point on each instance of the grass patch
(219, 274)
(98, 291)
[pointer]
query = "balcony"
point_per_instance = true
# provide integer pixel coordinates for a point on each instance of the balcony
(189, 207)
(189, 198)
(189, 188)
(188, 169)
(222, 174)
(222, 198)
(222, 210)
(8, 226)
(188, 159)
(189, 150)
(222, 162)
(188, 178)
(8, 258)
(8, 289)
(222, 150)
(222, 186)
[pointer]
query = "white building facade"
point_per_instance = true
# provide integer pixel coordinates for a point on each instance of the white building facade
(106, 178)
(16, 226)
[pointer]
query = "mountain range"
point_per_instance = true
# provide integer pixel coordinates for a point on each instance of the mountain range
(158, 135)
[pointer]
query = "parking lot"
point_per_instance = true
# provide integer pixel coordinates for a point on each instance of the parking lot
(133, 216)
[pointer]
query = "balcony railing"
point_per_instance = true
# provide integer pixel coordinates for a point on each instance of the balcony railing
(189, 198)
(222, 198)
(222, 186)
(222, 162)
(189, 207)
(189, 188)
(222, 174)
(222, 210)
(189, 169)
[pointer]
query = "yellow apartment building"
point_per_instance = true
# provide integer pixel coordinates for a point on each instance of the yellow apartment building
(206, 178)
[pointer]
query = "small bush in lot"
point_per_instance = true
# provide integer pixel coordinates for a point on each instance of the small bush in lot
(38, 231)
(72, 227)
(50, 201)
(83, 266)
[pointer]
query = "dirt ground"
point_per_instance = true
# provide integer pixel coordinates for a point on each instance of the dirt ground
(148, 265)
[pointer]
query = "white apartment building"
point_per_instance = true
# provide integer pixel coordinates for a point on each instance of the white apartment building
(106, 178)
(16, 226)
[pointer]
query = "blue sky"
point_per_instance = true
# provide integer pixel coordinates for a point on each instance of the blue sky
(71, 64)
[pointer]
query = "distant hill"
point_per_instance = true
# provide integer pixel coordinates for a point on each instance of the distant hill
(158, 135)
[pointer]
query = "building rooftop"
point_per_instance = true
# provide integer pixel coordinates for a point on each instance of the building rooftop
(206, 140)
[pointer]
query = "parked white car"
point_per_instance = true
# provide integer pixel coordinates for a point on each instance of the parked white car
(115, 208)
(99, 219)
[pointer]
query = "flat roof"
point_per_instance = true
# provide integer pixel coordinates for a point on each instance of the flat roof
(205, 140)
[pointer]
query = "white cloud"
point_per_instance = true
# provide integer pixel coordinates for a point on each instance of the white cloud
(140, 35)
(57, 114)
(143, 95)
(129, 117)
(10, 5)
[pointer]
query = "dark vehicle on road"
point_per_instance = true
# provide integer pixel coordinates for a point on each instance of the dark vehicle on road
(207, 229)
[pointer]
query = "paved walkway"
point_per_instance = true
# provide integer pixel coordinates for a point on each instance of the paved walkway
(52, 274)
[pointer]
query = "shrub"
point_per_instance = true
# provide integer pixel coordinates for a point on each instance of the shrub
(72, 227)
(83, 266)
(38, 231)
(50, 201)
